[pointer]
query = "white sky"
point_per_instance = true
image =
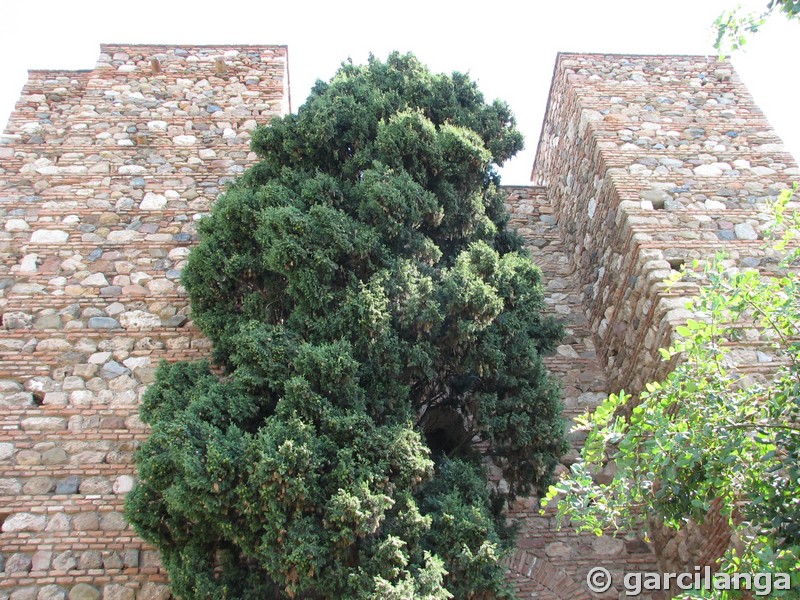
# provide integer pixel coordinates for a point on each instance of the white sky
(509, 47)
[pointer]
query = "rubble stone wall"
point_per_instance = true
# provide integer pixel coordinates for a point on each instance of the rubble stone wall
(650, 162)
(644, 162)
(553, 563)
(103, 176)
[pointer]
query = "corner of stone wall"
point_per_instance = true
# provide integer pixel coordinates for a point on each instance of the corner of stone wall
(651, 162)
(549, 562)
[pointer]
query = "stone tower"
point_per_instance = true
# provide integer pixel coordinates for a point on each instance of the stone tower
(103, 175)
(644, 162)
(650, 161)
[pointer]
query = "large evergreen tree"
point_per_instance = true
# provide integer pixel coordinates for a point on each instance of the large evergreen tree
(379, 331)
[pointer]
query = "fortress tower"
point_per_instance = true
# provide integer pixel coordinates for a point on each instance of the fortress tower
(644, 162)
(650, 161)
(103, 175)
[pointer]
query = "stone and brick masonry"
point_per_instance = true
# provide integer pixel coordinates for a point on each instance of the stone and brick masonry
(103, 176)
(644, 162)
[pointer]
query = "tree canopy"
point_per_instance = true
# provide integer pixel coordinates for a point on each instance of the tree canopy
(734, 27)
(378, 335)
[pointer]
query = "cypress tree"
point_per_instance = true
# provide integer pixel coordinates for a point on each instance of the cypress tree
(378, 333)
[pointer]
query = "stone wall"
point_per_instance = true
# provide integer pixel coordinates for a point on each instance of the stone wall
(551, 563)
(651, 162)
(103, 176)
(644, 162)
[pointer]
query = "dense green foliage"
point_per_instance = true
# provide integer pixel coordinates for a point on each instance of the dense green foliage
(379, 330)
(711, 431)
(733, 27)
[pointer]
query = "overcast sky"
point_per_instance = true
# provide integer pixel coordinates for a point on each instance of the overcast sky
(509, 47)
